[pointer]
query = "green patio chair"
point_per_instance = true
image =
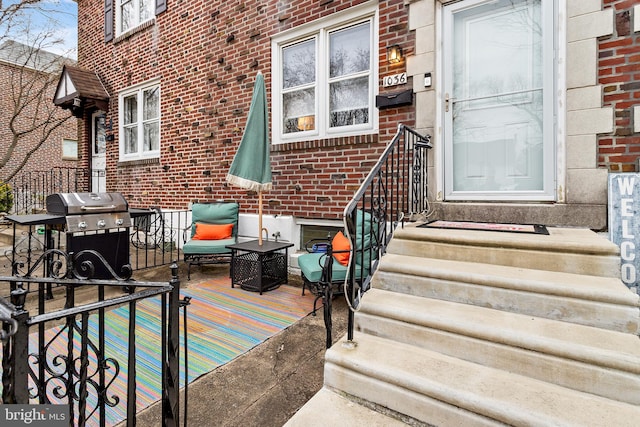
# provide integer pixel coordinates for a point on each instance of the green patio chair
(320, 270)
(204, 244)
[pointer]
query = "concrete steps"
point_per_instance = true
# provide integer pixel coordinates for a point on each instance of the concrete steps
(564, 249)
(604, 302)
(6, 233)
(465, 328)
(446, 391)
(579, 357)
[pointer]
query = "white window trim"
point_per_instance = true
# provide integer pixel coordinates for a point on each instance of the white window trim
(320, 29)
(118, 23)
(560, 43)
(138, 89)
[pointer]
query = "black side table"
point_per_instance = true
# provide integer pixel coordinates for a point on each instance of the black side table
(259, 268)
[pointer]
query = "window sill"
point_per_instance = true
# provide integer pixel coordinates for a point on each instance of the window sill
(134, 30)
(139, 162)
(371, 138)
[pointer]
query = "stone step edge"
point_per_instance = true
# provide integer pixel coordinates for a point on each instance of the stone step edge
(585, 344)
(506, 397)
(616, 317)
(597, 380)
(593, 288)
(559, 240)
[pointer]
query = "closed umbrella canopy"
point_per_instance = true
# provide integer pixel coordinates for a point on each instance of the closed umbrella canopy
(251, 167)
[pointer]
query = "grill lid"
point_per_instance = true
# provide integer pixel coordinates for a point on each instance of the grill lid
(85, 203)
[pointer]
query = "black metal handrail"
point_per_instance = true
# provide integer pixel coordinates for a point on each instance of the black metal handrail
(395, 190)
(155, 238)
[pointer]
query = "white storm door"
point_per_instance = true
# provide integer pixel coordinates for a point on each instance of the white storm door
(498, 94)
(98, 153)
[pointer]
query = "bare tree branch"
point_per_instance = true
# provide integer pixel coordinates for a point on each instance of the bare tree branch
(32, 117)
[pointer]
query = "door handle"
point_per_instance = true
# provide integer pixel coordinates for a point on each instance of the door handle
(446, 102)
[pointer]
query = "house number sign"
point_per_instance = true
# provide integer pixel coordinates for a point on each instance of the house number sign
(394, 80)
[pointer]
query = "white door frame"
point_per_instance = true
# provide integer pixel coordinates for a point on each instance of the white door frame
(550, 135)
(98, 155)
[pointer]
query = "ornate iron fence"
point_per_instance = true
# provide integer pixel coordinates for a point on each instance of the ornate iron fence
(34, 370)
(157, 238)
(27, 192)
(396, 190)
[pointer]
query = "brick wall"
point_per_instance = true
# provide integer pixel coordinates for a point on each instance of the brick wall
(619, 75)
(49, 155)
(207, 54)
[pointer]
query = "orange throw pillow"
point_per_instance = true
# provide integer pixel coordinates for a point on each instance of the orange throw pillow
(341, 243)
(212, 231)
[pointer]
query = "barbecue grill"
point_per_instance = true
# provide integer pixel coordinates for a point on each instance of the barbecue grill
(98, 222)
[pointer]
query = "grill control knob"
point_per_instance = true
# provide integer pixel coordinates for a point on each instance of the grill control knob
(119, 222)
(82, 225)
(102, 223)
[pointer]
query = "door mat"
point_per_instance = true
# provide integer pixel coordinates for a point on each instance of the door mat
(487, 226)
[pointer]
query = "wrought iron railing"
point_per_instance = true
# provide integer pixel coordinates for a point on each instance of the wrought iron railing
(83, 373)
(26, 193)
(157, 238)
(395, 191)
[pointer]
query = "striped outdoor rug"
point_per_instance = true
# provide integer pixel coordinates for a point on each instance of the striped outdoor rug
(223, 323)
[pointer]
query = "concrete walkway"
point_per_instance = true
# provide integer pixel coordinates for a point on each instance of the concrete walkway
(263, 387)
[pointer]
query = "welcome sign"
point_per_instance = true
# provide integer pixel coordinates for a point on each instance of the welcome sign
(624, 223)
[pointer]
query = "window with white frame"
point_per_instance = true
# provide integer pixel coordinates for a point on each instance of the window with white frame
(131, 13)
(69, 149)
(140, 122)
(324, 85)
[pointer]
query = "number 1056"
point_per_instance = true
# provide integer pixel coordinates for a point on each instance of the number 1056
(396, 79)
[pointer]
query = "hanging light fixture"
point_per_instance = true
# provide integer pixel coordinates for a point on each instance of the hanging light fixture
(394, 54)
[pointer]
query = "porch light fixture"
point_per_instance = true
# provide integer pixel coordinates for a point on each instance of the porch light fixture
(394, 54)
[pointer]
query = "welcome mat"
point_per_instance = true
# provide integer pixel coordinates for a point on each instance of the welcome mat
(487, 226)
(223, 323)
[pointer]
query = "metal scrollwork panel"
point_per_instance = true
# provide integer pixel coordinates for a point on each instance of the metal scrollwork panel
(63, 373)
(60, 265)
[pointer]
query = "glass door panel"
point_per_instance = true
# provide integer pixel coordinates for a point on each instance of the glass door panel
(496, 95)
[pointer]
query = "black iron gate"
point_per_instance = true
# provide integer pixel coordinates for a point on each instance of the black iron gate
(34, 328)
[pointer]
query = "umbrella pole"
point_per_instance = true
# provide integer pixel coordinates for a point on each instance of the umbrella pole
(260, 217)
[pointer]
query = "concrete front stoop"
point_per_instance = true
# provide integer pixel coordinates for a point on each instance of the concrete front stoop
(467, 327)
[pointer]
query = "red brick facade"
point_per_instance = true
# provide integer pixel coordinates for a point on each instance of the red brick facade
(206, 55)
(619, 75)
(49, 155)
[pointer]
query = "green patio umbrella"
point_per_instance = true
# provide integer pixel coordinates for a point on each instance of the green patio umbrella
(251, 167)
